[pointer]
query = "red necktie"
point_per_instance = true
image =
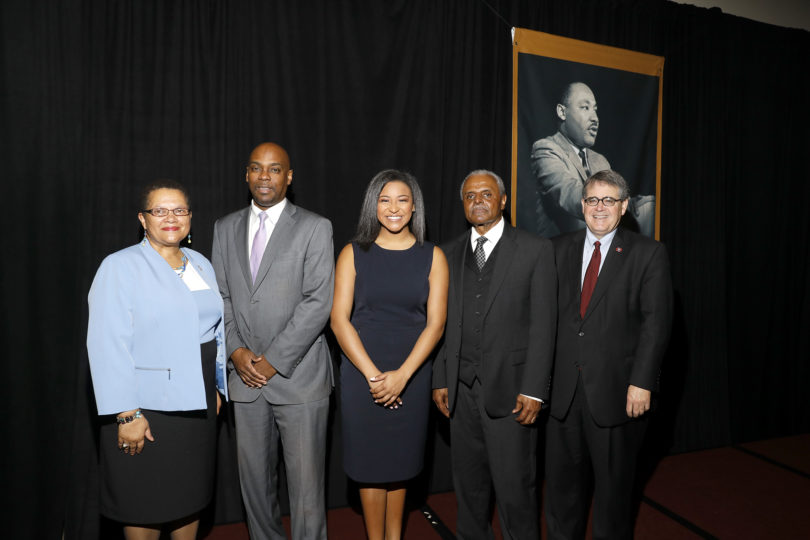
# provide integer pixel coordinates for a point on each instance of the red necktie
(589, 283)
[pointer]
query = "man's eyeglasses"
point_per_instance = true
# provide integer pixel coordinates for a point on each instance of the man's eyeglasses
(607, 201)
(163, 212)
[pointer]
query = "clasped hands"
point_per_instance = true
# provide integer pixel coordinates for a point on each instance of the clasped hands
(254, 370)
(386, 387)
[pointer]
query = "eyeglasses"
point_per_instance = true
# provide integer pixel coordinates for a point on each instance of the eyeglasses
(163, 212)
(607, 201)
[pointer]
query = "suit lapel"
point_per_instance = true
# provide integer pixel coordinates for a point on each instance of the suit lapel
(241, 242)
(279, 242)
(575, 266)
(506, 252)
(458, 263)
(573, 157)
(614, 260)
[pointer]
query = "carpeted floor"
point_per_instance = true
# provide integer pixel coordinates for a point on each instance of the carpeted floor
(757, 490)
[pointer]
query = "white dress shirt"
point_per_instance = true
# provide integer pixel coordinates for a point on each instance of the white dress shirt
(273, 215)
(493, 237)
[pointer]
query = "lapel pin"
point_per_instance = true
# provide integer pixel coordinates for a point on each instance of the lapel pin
(618, 250)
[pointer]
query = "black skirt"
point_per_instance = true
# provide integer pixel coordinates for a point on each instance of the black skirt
(172, 477)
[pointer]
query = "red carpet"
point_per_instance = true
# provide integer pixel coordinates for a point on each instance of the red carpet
(757, 490)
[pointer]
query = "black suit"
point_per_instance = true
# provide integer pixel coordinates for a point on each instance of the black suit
(517, 342)
(620, 342)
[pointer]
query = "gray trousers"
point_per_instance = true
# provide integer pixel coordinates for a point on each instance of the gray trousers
(302, 431)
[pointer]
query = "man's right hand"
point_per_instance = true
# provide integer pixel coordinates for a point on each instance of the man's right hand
(442, 400)
(243, 360)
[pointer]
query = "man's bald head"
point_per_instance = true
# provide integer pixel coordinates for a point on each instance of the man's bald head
(268, 174)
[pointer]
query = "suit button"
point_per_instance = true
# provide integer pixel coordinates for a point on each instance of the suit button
(254, 301)
(581, 334)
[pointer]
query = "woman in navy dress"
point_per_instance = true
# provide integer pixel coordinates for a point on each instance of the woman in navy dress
(388, 314)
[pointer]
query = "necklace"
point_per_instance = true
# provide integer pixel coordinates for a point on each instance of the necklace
(182, 268)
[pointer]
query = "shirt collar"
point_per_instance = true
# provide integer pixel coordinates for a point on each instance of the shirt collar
(493, 235)
(274, 212)
(604, 242)
(575, 147)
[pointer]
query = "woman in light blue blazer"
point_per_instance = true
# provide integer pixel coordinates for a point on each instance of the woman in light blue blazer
(155, 340)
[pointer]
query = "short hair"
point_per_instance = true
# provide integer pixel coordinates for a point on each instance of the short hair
(565, 95)
(482, 172)
(368, 226)
(162, 183)
(609, 177)
(289, 159)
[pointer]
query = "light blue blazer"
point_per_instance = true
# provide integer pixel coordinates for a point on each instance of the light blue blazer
(143, 334)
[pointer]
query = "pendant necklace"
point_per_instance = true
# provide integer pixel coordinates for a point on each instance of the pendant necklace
(182, 268)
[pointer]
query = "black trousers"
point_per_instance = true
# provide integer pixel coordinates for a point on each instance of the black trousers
(492, 453)
(580, 453)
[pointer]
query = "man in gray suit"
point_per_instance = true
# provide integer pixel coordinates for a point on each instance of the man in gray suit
(275, 268)
(561, 164)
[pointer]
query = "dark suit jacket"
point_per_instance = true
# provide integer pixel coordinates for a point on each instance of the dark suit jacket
(518, 326)
(622, 338)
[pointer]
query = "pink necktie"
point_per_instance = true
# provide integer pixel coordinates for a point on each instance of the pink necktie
(259, 243)
(589, 283)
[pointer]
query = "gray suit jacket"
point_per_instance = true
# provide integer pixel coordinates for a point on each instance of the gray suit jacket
(284, 313)
(560, 176)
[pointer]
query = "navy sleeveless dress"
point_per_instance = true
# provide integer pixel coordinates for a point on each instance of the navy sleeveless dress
(390, 311)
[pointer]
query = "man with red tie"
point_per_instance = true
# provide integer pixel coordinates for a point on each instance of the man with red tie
(615, 313)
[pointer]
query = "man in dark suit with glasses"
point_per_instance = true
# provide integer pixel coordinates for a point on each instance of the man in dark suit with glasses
(614, 318)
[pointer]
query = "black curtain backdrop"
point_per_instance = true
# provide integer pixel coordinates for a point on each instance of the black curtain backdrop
(100, 96)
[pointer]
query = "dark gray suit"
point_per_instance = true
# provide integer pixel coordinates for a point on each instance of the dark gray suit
(281, 316)
(489, 448)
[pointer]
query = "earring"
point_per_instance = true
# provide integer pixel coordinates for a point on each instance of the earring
(189, 238)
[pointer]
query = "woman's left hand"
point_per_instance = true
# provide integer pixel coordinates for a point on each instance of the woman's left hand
(219, 403)
(391, 384)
